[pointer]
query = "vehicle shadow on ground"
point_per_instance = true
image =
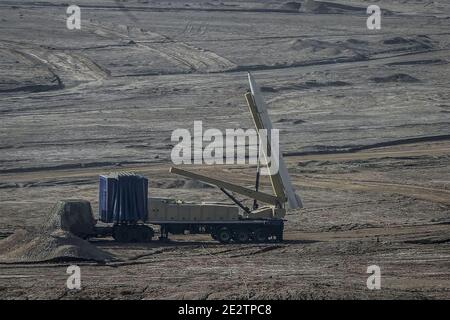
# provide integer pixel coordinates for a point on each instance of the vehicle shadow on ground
(299, 241)
(112, 244)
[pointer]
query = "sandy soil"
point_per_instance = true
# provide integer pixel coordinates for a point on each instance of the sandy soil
(364, 118)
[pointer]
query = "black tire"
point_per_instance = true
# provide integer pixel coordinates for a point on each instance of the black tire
(146, 233)
(224, 235)
(139, 233)
(134, 234)
(241, 236)
(260, 236)
(121, 234)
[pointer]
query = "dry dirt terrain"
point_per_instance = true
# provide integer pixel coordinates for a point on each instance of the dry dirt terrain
(364, 119)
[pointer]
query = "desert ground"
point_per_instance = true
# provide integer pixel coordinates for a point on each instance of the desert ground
(364, 119)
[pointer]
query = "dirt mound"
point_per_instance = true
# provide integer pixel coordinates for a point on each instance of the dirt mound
(195, 184)
(310, 84)
(396, 40)
(74, 216)
(58, 239)
(412, 43)
(292, 5)
(167, 184)
(294, 121)
(322, 7)
(329, 49)
(182, 184)
(26, 246)
(399, 77)
(418, 62)
(431, 239)
(357, 41)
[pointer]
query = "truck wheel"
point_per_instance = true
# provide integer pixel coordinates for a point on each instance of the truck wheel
(241, 236)
(121, 234)
(147, 233)
(224, 235)
(137, 233)
(260, 236)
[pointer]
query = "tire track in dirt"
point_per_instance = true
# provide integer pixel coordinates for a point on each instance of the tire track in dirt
(398, 233)
(188, 57)
(64, 66)
(355, 150)
(419, 192)
(19, 80)
(70, 67)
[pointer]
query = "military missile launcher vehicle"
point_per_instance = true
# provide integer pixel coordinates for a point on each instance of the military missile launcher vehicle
(124, 202)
